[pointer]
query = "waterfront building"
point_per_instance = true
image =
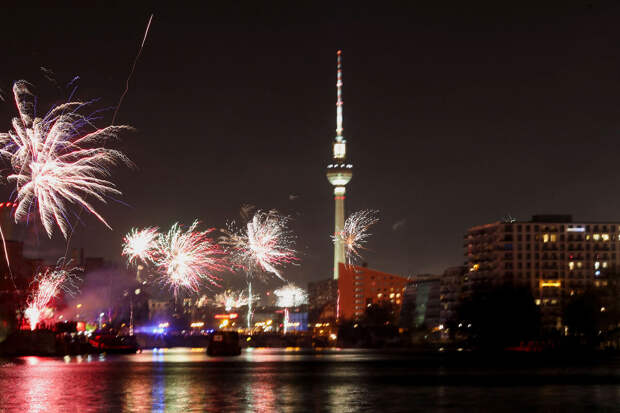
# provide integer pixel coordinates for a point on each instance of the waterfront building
(450, 291)
(421, 302)
(361, 287)
(552, 255)
(159, 310)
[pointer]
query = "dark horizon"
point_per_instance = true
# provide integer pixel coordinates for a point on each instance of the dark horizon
(454, 117)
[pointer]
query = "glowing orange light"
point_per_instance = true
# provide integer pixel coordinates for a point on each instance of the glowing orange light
(226, 316)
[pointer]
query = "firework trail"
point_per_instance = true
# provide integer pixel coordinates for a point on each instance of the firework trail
(49, 284)
(291, 296)
(139, 244)
(133, 67)
(186, 258)
(263, 245)
(355, 233)
(55, 163)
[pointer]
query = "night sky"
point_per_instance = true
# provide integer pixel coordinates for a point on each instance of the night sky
(455, 116)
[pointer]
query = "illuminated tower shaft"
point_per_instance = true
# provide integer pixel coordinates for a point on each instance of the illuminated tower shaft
(339, 197)
(339, 173)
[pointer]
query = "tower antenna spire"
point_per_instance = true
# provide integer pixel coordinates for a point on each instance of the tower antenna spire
(339, 137)
(339, 173)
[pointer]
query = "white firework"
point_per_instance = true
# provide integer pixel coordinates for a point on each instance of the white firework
(291, 296)
(232, 300)
(58, 160)
(139, 244)
(185, 258)
(264, 244)
(355, 233)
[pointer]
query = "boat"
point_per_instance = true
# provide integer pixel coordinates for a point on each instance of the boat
(224, 343)
(114, 344)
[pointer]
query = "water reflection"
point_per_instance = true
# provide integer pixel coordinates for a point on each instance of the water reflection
(260, 391)
(265, 380)
(38, 390)
(158, 395)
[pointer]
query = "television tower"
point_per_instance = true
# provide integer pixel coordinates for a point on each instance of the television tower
(339, 172)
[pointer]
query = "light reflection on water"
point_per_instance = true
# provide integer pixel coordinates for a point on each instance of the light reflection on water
(267, 380)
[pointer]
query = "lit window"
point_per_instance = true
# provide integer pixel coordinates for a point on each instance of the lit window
(545, 237)
(597, 265)
(537, 301)
(604, 265)
(340, 150)
(596, 237)
(579, 264)
(571, 266)
(605, 237)
(554, 237)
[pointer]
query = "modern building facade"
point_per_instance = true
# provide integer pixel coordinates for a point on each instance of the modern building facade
(450, 292)
(360, 287)
(421, 302)
(339, 171)
(551, 254)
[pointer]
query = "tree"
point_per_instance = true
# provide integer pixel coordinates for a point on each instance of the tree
(380, 314)
(582, 315)
(594, 315)
(500, 317)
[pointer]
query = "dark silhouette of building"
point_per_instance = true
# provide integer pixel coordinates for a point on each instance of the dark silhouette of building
(450, 292)
(322, 300)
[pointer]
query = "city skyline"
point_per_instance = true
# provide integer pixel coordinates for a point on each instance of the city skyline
(526, 114)
(190, 237)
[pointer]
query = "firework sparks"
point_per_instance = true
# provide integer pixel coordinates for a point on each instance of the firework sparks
(49, 284)
(265, 244)
(139, 244)
(231, 299)
(185, 258)
(291, 296)
(355, 233)
(56, 163)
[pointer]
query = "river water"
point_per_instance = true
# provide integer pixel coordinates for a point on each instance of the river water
(293, 380)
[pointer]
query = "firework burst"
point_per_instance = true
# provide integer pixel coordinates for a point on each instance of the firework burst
(139, 244)
(264, 244)
(186, 258)
(49, 284)
(291, 296)
(231, 299)
(355, 233)
(58, 160)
